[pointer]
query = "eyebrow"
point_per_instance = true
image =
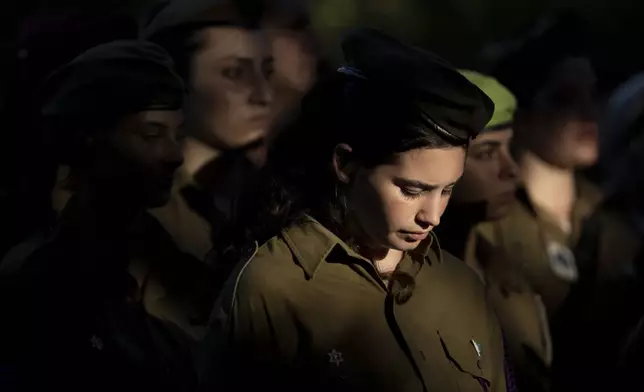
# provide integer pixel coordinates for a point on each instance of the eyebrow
(155, 123)
(244, 59)
(488, 143)
(421, 185)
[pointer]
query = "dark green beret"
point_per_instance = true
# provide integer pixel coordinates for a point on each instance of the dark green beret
(446, 100)
(117, 78)
(171, 15)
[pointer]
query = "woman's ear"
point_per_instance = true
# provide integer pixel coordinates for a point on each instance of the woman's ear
(344, 165)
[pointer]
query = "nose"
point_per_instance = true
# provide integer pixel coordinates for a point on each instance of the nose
(172, 155)
(262, 93)
(509, 170)
(432, 209)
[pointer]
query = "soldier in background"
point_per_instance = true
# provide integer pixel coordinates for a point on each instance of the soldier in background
(600, 333)
(555, 135)
(226, 60)
(484, 195)
(74, 305)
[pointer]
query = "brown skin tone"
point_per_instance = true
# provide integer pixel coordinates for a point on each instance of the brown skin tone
(138, 159)
(491, 175)
(232, 97)
(395, 205)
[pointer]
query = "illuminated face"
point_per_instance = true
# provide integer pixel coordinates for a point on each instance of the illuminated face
(398, 203)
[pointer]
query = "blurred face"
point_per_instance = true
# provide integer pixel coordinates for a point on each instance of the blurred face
(397, 204)
(231, 100)
(491, 175)
(295, 65)
(563, 127)
(141, 156)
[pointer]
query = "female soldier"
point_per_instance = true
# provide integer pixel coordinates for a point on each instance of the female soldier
(227, 63)
(76, 316)
(345, 286)
(555, 135)
(485, 194)
(601, 307)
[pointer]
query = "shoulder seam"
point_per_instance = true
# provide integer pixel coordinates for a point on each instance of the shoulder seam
(238, 278)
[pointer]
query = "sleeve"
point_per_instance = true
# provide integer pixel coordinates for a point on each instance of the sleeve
(252, 338)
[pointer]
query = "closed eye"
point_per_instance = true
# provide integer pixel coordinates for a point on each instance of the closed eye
(411, 193)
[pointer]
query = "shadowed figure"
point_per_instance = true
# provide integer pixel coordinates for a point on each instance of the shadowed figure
(79, 310)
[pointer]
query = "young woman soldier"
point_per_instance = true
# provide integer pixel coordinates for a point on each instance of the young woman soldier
(344, 286)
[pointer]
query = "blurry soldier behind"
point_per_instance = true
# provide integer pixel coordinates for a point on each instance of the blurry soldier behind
(486, 193)
(46, 41)
(298, 62)
(555, 135)
(226, 61)
(75, 313)
(601, 333)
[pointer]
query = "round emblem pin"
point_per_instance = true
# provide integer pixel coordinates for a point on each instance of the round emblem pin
(562, 262)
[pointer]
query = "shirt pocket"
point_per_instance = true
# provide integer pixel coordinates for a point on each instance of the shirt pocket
(468, 361)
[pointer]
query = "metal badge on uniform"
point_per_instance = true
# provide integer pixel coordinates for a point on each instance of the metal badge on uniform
(562, 262)
(477, 348)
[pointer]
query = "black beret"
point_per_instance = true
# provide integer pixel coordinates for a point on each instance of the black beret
(447, 101)
(118, 78)
(526, 61)
(171, 15)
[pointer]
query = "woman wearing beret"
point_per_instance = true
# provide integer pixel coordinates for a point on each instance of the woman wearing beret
(342, 284)
(225, 58)
(76, 313)
(484, 195)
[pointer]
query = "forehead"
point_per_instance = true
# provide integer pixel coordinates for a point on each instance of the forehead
(439, 166)
(222, 42)
(497, 136)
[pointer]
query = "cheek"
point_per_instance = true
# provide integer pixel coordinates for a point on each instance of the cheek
(393, 207)
(477, 180)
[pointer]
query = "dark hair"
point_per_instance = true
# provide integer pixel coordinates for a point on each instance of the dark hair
(183, 40)
(298, 178)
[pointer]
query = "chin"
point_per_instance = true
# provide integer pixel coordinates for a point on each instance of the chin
(402, 245)
(158, 200)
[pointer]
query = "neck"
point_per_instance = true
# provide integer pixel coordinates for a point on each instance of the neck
(104, 210)
(197, 154)
(385, 260)
(549, 187)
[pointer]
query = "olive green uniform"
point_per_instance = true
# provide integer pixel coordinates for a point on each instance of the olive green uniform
(541, 250)
(521, 312)
(306, 311)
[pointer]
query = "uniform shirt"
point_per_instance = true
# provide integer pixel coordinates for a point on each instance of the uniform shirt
(76, 321)
(604, 302)
(306, 312)
(520, 311)
(542, 250)
(173, 285)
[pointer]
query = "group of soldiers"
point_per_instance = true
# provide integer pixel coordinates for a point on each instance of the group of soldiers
(230, 213)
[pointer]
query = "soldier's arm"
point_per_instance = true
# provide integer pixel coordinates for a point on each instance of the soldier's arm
(251, 339)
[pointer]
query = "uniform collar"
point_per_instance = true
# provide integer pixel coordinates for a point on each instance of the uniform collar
(311, 244)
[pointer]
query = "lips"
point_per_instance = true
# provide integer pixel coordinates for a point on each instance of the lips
(416, 236)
